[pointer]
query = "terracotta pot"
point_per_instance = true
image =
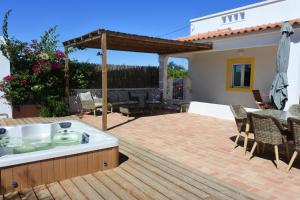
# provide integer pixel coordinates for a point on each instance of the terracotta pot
(22, 111)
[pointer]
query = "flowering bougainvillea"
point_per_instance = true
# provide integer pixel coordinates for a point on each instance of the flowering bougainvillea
(8, 78)
(36, 70)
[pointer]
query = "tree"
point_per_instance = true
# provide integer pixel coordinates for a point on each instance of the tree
(176, 71)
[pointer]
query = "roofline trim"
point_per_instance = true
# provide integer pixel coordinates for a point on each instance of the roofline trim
(243, 8)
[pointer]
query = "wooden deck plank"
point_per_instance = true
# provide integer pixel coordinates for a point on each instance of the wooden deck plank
(100, 187)
(57, 191)
(86, 189)
(126, 185)
(169, 184)
(42, 192)
(205, 180)
(182, 180)
(28, 194)
(171, 177)
(72, 190)
(147, 180)
(141, 185)
(115, 188)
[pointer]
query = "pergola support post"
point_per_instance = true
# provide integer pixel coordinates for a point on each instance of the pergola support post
(163, 74)
(67, 81)
(104, 81)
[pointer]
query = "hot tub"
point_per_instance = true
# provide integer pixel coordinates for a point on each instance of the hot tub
(35, 154)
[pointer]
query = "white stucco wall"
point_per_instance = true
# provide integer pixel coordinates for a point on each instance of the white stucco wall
(4, 71)
(213, 110)
(208, 75)
(255, 14)
(294, 75)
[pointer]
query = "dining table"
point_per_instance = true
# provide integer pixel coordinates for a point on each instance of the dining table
(280, 115)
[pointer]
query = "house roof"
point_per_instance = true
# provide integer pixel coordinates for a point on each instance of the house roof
(220, 33)
(136, 43)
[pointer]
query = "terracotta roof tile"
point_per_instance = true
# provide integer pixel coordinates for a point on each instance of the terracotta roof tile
(229, 32)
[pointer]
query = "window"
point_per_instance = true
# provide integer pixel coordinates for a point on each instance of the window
(224, 19)
(240, 74)
(242, 14)
(236, 17)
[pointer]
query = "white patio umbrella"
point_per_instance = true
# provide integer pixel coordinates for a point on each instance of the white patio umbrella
(279, 93)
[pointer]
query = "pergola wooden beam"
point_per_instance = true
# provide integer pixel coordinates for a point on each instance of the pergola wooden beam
(135, 43)
(104, 82)
(105, 39)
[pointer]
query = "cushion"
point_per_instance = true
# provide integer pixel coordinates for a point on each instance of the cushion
(87, 96)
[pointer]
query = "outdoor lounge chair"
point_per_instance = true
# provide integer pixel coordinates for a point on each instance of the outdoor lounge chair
(98, 102)
(268, 130)
(261, 104)
(240, 116)
(118, 100)
(294, 128)
(88, 103)
(154, 101)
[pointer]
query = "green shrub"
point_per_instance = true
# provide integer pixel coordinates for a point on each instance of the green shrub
(54, 107)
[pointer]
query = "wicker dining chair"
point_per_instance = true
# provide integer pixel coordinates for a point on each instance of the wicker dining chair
(240, 116)
(294, 110)
(294, 127)
(268, 130)
(261, 104)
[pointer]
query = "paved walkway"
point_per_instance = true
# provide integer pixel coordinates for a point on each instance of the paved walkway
(205, 144)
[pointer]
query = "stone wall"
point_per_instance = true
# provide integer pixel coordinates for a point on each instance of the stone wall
(113, 95)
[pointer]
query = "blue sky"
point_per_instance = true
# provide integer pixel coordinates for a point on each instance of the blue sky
(31, 18)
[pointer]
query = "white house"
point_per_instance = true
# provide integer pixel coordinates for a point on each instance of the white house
(243, 57)
(4, 71)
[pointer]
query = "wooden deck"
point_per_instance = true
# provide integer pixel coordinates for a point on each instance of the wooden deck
(141, 175)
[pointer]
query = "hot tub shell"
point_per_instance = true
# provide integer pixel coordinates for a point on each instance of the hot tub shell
(21, 171)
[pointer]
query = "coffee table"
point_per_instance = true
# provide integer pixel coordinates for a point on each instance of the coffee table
(131, 110)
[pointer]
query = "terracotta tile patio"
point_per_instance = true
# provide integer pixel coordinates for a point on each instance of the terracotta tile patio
(205, 144)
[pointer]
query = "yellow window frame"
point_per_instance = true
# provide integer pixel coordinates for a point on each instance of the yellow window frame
(230, 63)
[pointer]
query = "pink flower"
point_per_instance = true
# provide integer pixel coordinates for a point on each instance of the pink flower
(59, 54)
(2, 85)
(36, 70)
(44, 63)
(24, 81)
(55, 65)
(8, 78)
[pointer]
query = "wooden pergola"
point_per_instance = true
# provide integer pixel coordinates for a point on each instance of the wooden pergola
(111, 40)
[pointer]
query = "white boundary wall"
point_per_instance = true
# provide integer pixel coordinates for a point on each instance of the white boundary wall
(213, 110)
(4, 71)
